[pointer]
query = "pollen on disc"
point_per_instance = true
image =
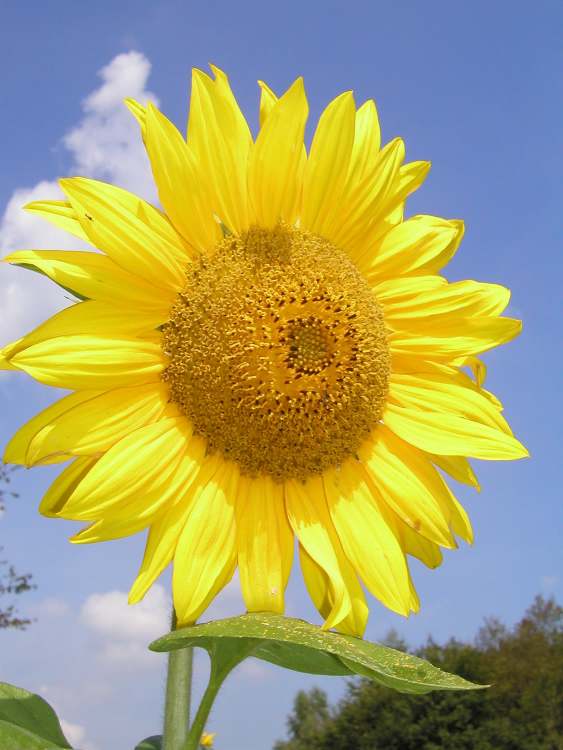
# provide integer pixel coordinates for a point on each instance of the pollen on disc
(278, 353)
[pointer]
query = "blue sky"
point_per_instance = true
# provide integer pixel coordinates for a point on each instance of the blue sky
(476, 89)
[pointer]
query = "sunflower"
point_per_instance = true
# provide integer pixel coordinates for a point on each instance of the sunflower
(272, 355)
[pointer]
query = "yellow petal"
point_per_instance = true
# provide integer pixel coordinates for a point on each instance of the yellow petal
(171, 160)
(59, 213)
(410, 541)
(408, 483)
(492, 398)
(463, 298)
(404, 363)
(310, 520)
(359, 208)
(476, 365)
(410, 178)
(445, 394)
(128, 516)
(323, 593)
(64, 485)
(230, 116)
(5, 363)
(421, 244)
(452, 435)
(404, 289)
(368, 541)
(136, 470)
(88, 362)
(96, 423)
(205, 556)
(167, 526)
(159, 225)
(367, 141)
(327, 167)
(452, 337)
(117, 227)
(93, 318)
(378, 230)
(180, 183)
(277, 160)
(220, 139)
(452, 511)
(94, 276)
(265, 544)
(159, 550)
(108, 530)
(478, 370)
(458, 467)
(139, 112)
(458, 518)
(16, 451)
(413, 543)
(125, 522)
(267, 101)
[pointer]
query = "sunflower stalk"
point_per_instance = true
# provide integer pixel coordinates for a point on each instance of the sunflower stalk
(224, 658)
(178, 696)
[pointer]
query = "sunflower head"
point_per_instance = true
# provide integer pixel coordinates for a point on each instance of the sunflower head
(270, 354)
(278, 353)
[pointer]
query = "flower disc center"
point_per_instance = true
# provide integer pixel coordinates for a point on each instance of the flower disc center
(309, 345)
(278, 353)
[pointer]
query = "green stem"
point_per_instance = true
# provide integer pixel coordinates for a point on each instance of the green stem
(178, 696)
(223, 660)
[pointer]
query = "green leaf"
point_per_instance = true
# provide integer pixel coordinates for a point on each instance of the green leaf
(298, 645)
(27, 722)
(150, 743)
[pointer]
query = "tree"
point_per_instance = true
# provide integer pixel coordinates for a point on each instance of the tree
(12, 583)
(310, 714)
(522, 710)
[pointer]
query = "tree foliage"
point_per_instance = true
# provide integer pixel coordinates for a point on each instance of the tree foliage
(522, 710)
(5, 491)
(12, 583)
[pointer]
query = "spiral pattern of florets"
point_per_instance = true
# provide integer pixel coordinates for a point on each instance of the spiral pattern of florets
(278, 353)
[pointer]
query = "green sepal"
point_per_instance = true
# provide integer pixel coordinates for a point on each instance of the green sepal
(27, 722)
(302, 647)
(150, 743)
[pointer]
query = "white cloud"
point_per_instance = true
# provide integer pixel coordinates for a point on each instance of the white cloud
(109, 614)
(68, 696)
(104, 144)
(21, 230)
(255, 670)
(76, 734)
(26, 301)
(123, 631)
